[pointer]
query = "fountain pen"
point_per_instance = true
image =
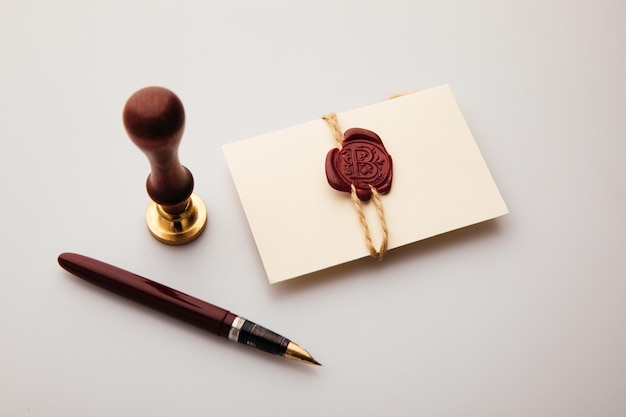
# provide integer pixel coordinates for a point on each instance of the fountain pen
(182, 306)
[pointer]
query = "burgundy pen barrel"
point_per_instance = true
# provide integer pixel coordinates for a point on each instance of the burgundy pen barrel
(149, 293)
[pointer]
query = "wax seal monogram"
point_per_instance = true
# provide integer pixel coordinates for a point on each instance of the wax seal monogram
(362, 162)
(361, 166)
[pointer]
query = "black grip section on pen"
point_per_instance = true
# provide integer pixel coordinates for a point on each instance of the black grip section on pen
(259, 337)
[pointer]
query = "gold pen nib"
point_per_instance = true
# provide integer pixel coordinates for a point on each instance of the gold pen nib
(296, 353)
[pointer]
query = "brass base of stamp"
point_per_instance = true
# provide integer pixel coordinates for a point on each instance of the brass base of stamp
(177, 229)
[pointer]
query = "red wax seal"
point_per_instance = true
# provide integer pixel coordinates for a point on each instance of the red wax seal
(363, 161)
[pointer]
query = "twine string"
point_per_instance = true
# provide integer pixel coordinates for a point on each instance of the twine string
(331, 119)
(379, 253)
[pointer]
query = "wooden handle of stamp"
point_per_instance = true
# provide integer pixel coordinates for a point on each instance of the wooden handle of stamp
(154, 119)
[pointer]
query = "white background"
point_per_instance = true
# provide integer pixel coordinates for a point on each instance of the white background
(523, 316)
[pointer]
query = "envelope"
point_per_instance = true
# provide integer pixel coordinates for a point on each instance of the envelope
(302, 225)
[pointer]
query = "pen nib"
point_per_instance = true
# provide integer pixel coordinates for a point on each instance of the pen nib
(297, 353)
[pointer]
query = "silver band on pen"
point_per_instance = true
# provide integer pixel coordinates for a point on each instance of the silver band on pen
(235, 328)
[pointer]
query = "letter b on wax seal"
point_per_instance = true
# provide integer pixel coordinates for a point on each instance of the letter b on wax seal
(362, 161)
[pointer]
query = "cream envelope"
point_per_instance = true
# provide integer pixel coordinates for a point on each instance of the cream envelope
(302, 225)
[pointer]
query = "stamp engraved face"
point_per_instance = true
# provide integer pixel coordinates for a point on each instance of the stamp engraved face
(363, 161)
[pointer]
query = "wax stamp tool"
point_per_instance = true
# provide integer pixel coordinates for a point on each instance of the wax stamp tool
(154, 119)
